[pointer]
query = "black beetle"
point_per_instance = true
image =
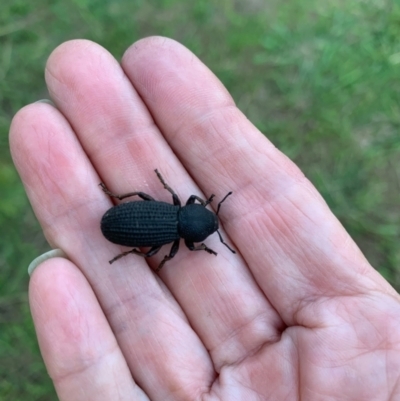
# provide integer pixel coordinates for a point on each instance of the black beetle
(153, 224)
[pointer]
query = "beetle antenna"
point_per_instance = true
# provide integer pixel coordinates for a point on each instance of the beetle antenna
(219, 204)
(220, 238)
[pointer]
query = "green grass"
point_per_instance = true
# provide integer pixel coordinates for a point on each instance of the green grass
(320, 79)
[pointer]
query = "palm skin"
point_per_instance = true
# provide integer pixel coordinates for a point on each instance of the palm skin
(297, 314)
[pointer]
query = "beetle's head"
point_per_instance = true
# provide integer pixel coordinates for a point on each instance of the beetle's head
(196, 223)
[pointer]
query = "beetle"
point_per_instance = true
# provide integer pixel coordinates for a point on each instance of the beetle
(151, 223)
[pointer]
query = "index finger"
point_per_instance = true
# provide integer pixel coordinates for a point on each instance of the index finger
(293, 244)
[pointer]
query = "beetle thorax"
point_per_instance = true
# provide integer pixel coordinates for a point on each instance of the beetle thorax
(196, 223)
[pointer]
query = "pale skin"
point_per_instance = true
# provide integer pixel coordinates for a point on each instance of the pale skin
(297, 314)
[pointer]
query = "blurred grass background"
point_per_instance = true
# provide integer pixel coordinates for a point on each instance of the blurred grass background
(320, 79)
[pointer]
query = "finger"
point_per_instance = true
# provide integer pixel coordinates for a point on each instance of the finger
(77, 344)
(295, 247)
(125, 146)
(151, 329)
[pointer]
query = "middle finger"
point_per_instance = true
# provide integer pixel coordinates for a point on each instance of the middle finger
(218, 294)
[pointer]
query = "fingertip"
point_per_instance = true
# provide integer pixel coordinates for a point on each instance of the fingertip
(54, 253)
(75, 338)
(68, 319)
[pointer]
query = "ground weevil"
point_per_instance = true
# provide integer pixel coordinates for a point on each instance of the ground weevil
(150, 223)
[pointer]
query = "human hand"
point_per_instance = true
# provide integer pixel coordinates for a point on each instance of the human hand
(298, 313)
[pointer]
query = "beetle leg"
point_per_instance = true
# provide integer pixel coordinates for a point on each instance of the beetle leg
(120, 197)
(193, 198)
(172, 253)
(201, 247)
(151, 252)
(175, 198)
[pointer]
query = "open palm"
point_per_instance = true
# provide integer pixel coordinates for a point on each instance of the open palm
(296, 314)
